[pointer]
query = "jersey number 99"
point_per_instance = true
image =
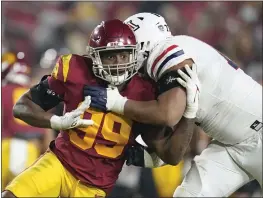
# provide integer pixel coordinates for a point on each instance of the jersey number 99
(104, 123)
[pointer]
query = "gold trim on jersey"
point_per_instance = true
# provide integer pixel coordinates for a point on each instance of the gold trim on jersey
(55, 71)
(65, 63)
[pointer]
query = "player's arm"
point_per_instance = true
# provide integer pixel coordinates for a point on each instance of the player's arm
(174, 146)
(170, 144)
(162, 66)
(32, 107)
(170, 105)
(167, 110)
(160, 145)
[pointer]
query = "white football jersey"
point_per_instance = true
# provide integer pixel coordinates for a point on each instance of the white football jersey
(230, 105)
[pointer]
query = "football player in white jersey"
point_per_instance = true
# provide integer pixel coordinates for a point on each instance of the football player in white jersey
(229, 109)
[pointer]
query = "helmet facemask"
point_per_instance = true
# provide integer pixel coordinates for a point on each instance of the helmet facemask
(118, 73)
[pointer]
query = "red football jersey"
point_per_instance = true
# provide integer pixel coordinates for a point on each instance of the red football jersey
(10, 125)
(94, 155)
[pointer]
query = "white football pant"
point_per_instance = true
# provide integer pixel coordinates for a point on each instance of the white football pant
(221, 169)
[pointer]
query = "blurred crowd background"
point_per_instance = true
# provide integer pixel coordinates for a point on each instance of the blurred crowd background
(45, 30)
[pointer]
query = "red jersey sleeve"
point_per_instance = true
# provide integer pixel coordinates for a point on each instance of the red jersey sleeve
(59, 75)
(70, 71)
(57, 86)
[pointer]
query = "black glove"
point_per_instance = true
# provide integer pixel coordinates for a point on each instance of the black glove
(135, 155)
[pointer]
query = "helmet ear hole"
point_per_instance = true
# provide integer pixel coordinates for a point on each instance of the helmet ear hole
(161, 28)
(148, 44)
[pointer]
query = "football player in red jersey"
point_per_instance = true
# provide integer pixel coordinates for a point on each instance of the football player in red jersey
(21, 143)
(88, 154)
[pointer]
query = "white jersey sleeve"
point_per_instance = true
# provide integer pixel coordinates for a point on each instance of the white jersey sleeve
(163, 56)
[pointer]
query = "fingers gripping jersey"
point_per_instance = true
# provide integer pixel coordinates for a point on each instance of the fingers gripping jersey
(94, 155)
(163, 56)
(230, 101)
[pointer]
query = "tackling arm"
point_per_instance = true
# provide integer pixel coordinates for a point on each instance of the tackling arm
(171, 143)
(167, 110)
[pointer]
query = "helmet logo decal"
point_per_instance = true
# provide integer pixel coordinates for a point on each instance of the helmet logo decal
(133, 26)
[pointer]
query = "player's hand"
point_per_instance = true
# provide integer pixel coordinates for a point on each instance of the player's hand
(106, 99)
(72, 119)
(193, 88)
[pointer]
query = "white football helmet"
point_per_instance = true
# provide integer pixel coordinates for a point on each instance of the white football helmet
(149, 28)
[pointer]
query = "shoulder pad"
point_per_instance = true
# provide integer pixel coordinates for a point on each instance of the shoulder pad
(163, 56)
(61, 69)
(71, 68)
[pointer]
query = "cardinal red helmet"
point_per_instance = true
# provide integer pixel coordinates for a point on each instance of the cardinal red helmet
(113, 35)
(19, 71)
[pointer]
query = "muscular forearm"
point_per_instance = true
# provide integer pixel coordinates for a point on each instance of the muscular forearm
(145, 112)
(176, 145)
(26, 110)
(167, 110)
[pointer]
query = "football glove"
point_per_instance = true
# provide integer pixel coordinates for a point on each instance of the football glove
(138, 155)
(106, 99)
(72, 119)
(193, 88)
